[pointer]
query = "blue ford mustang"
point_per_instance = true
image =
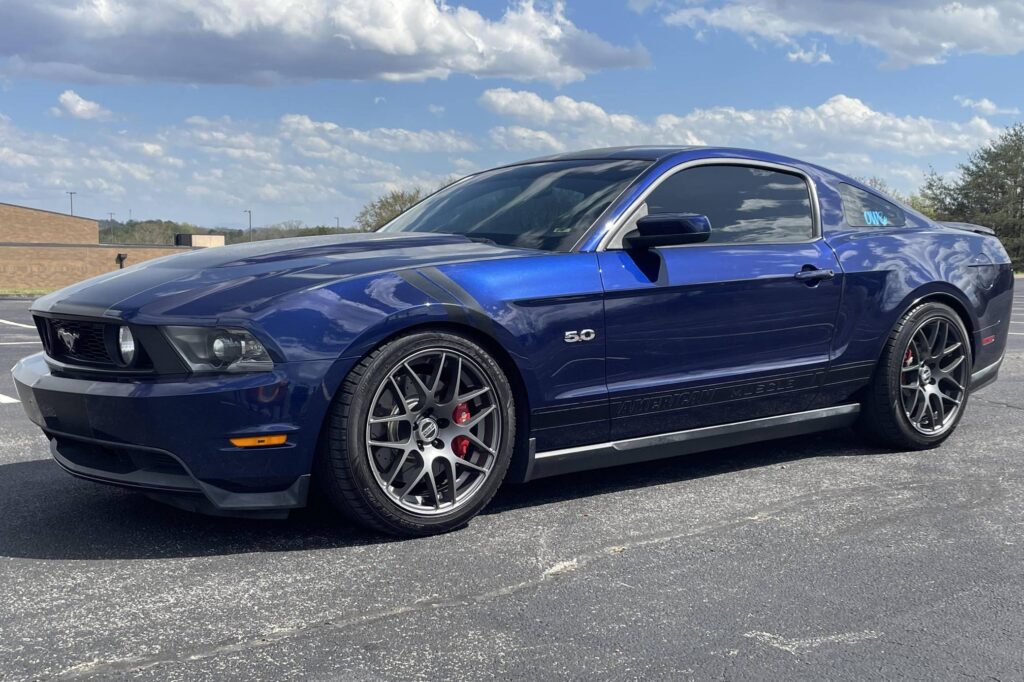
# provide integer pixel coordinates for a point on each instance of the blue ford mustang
(566, 313)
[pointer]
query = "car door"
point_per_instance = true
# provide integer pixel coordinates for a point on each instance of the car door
(735, 328)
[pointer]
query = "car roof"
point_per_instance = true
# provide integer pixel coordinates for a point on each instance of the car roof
(657, 153)
(654, 153)
(640, 153)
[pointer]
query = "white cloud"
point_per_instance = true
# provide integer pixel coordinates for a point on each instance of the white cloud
(462, 166)
(151, 149)
(267, 41)
(521, 138)
(205, 170)
(74, 105)
(435, 109)
(296, 126)
(842, 130)
(813, 55)
(35, 165)
(985, 106)
(908, 32)
(565, 114)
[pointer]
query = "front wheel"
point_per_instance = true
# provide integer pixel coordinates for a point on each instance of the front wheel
(420, 435)
(921, 385)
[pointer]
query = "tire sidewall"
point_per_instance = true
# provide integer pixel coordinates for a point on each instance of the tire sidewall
(918, 316)
(354, 430)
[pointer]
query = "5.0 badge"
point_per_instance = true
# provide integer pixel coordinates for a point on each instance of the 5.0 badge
(580, 335)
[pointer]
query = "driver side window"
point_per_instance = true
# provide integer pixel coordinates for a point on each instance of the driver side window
(745, 204)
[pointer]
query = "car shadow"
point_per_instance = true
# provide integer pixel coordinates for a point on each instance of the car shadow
(46, 514)
(840, 443)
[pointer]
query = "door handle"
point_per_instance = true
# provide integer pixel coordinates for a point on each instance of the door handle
(814, 275)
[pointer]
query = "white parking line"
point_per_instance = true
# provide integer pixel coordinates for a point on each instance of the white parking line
(19, 343)
(18, 324)
(6, 399)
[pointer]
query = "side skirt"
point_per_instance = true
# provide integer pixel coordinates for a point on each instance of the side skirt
(647, 448)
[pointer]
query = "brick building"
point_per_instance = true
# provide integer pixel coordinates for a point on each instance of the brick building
(42, 250)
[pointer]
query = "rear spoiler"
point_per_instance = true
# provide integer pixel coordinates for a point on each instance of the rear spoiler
(968, 227)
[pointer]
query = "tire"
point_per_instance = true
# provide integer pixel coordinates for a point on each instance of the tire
(920, 388)
(385, 428)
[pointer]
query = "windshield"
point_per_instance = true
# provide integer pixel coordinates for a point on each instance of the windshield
(546, 205)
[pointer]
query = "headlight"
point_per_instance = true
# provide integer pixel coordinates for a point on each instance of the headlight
(126, 345)
(216, 349)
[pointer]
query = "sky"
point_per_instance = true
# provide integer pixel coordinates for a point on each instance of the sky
(196, 110)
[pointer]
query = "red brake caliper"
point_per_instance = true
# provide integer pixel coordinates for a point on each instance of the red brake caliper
(908, 358)
(461, 415)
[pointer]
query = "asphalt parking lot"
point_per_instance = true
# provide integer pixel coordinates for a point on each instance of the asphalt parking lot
(795, 559)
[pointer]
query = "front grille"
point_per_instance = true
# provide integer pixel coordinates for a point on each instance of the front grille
(90, 346)
(82, 342)
(87, 344)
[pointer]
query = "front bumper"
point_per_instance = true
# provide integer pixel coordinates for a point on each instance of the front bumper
(171, 438)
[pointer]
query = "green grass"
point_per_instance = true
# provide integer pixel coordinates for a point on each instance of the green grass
(24, 292)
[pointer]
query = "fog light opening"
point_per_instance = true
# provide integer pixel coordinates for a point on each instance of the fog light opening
(126, 345)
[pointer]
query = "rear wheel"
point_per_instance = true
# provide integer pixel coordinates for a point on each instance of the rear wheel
(921, 385)
(420, 435)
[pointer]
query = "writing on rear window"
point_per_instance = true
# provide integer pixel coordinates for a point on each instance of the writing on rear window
(875, 218)
(865, 209)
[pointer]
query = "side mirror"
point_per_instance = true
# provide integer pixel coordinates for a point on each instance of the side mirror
(668, 229)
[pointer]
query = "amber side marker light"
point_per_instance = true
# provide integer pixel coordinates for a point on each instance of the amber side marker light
(258, 441)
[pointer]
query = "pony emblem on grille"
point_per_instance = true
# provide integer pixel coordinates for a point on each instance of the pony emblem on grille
(69, 338)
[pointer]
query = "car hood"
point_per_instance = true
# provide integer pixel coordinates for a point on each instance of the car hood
(245, 278)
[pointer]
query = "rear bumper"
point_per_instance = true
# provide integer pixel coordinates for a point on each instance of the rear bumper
(171, 438)
(986, 375)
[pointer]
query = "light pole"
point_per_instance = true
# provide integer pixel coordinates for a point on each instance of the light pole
(71, 196)
(250, 222)
(111, 221)
(337, 222)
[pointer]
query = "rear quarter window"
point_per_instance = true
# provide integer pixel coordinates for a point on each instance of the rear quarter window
(864, 209)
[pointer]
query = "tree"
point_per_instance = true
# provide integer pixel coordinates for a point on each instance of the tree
(921, 205)
(943, 196)
(877, 183)
(989, 189)
(384, 208)
(390, 205)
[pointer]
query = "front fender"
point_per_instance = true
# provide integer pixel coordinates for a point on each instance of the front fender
(345, 321)
(526, 307)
